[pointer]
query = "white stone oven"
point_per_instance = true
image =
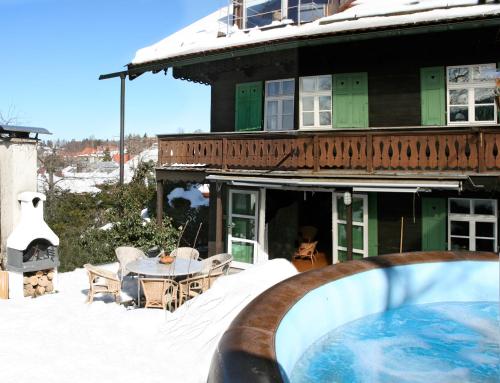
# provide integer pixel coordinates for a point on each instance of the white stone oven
(32, 258)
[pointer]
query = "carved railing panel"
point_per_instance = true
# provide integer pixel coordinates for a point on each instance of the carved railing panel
(373, 151)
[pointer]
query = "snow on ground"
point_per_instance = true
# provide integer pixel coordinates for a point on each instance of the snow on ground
(60, 338)
(203, 35)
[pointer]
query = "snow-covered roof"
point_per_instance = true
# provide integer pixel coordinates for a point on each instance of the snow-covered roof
(204, 36)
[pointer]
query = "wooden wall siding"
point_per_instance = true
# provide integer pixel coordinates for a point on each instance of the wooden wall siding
(371, 151)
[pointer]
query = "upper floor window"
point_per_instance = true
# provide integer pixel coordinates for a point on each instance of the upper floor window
(471, 94)
(258, 13)
(279, 104)
(316, 102)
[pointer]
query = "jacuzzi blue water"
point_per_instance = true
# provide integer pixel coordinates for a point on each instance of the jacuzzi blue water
(446, 342)
(336, 306)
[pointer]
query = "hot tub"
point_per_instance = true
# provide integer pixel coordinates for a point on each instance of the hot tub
(272, 334)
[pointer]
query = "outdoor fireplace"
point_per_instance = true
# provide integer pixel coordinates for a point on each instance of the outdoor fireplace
(32, 258)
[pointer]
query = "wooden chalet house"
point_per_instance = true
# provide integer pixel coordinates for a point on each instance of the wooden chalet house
(388, 103)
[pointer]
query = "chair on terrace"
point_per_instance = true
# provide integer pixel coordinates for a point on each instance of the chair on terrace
(186, 253)
(125, 255)
(102, 282)
(160, 292)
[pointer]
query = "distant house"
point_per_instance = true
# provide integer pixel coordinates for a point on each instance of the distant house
(374, 121)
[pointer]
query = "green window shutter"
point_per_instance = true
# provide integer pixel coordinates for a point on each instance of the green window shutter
(498, 109)
(350, 100)
(372, 224)
(433, 224)
(248, 106)
(433, 96)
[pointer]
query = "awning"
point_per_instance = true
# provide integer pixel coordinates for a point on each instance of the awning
(357, 185)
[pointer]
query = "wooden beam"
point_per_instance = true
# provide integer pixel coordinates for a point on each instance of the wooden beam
(219, 232)
(160, 197)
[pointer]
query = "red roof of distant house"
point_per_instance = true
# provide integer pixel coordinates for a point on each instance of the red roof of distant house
(116, 158)
(87, 151)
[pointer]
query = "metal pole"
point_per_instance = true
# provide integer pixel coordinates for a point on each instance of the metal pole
(122, 128)
(160, 194)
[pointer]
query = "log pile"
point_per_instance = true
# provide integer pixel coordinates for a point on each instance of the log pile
(38, 283)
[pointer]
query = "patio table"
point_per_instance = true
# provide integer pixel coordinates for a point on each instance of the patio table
(151, 267)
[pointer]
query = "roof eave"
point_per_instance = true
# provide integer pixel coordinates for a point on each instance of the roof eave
(135, 70)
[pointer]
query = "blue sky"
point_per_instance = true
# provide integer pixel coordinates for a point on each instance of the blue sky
(53, 51)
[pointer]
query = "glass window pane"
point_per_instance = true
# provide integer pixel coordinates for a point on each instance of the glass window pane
(484, 95)
(458, 75)
(485, 245)
(485, 113)
(287, 122)
(307, 104)
(308, 118)
(325, 118)
(242, 252)
(289, 87)
(243, 228)
(460, 206)
(262, 12)
(273, 88)
(459, 113)
(459, 243)
(342, 255)
(484, 207)
(308, 84)
(243, 204)
(484, 73)
(272, 108)
(459, 228)
(272, 123)
(357, 237)
(342, 233)
(325, 82)
(287, 106)
(341, 211)
(357, 210)
(459, 96)
(325, 103)
(485, 229)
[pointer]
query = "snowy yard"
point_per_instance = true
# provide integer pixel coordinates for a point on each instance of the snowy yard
(60, 338)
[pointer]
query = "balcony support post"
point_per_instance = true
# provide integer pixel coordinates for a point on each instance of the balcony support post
(219, 241)
(122, 127)
(160, 197)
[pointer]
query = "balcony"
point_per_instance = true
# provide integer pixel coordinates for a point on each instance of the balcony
(416, 150)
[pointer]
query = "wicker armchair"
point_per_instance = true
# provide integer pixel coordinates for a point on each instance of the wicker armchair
(307, 250)
(186, 253)
(160, 292)
(125, 255)
(192, 287)
(102, 282)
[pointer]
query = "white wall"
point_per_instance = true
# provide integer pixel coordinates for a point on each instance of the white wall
(18, 173)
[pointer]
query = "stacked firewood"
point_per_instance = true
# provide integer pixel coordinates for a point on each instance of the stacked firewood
(38, 283)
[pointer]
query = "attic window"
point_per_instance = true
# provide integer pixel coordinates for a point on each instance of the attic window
(259, 13)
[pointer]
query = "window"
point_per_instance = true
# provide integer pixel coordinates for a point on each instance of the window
(279, 106)
(259, 13)
(472, 224)
(316, 102)
(471, 94)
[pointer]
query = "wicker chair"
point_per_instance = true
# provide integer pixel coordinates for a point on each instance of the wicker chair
(213, 268)
(192, 287)
(186, 253)
(102, 282)
(125, 255)
(307, 250)
(160, 292)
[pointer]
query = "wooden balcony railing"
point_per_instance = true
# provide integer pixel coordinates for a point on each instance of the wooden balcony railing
(464, 150)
